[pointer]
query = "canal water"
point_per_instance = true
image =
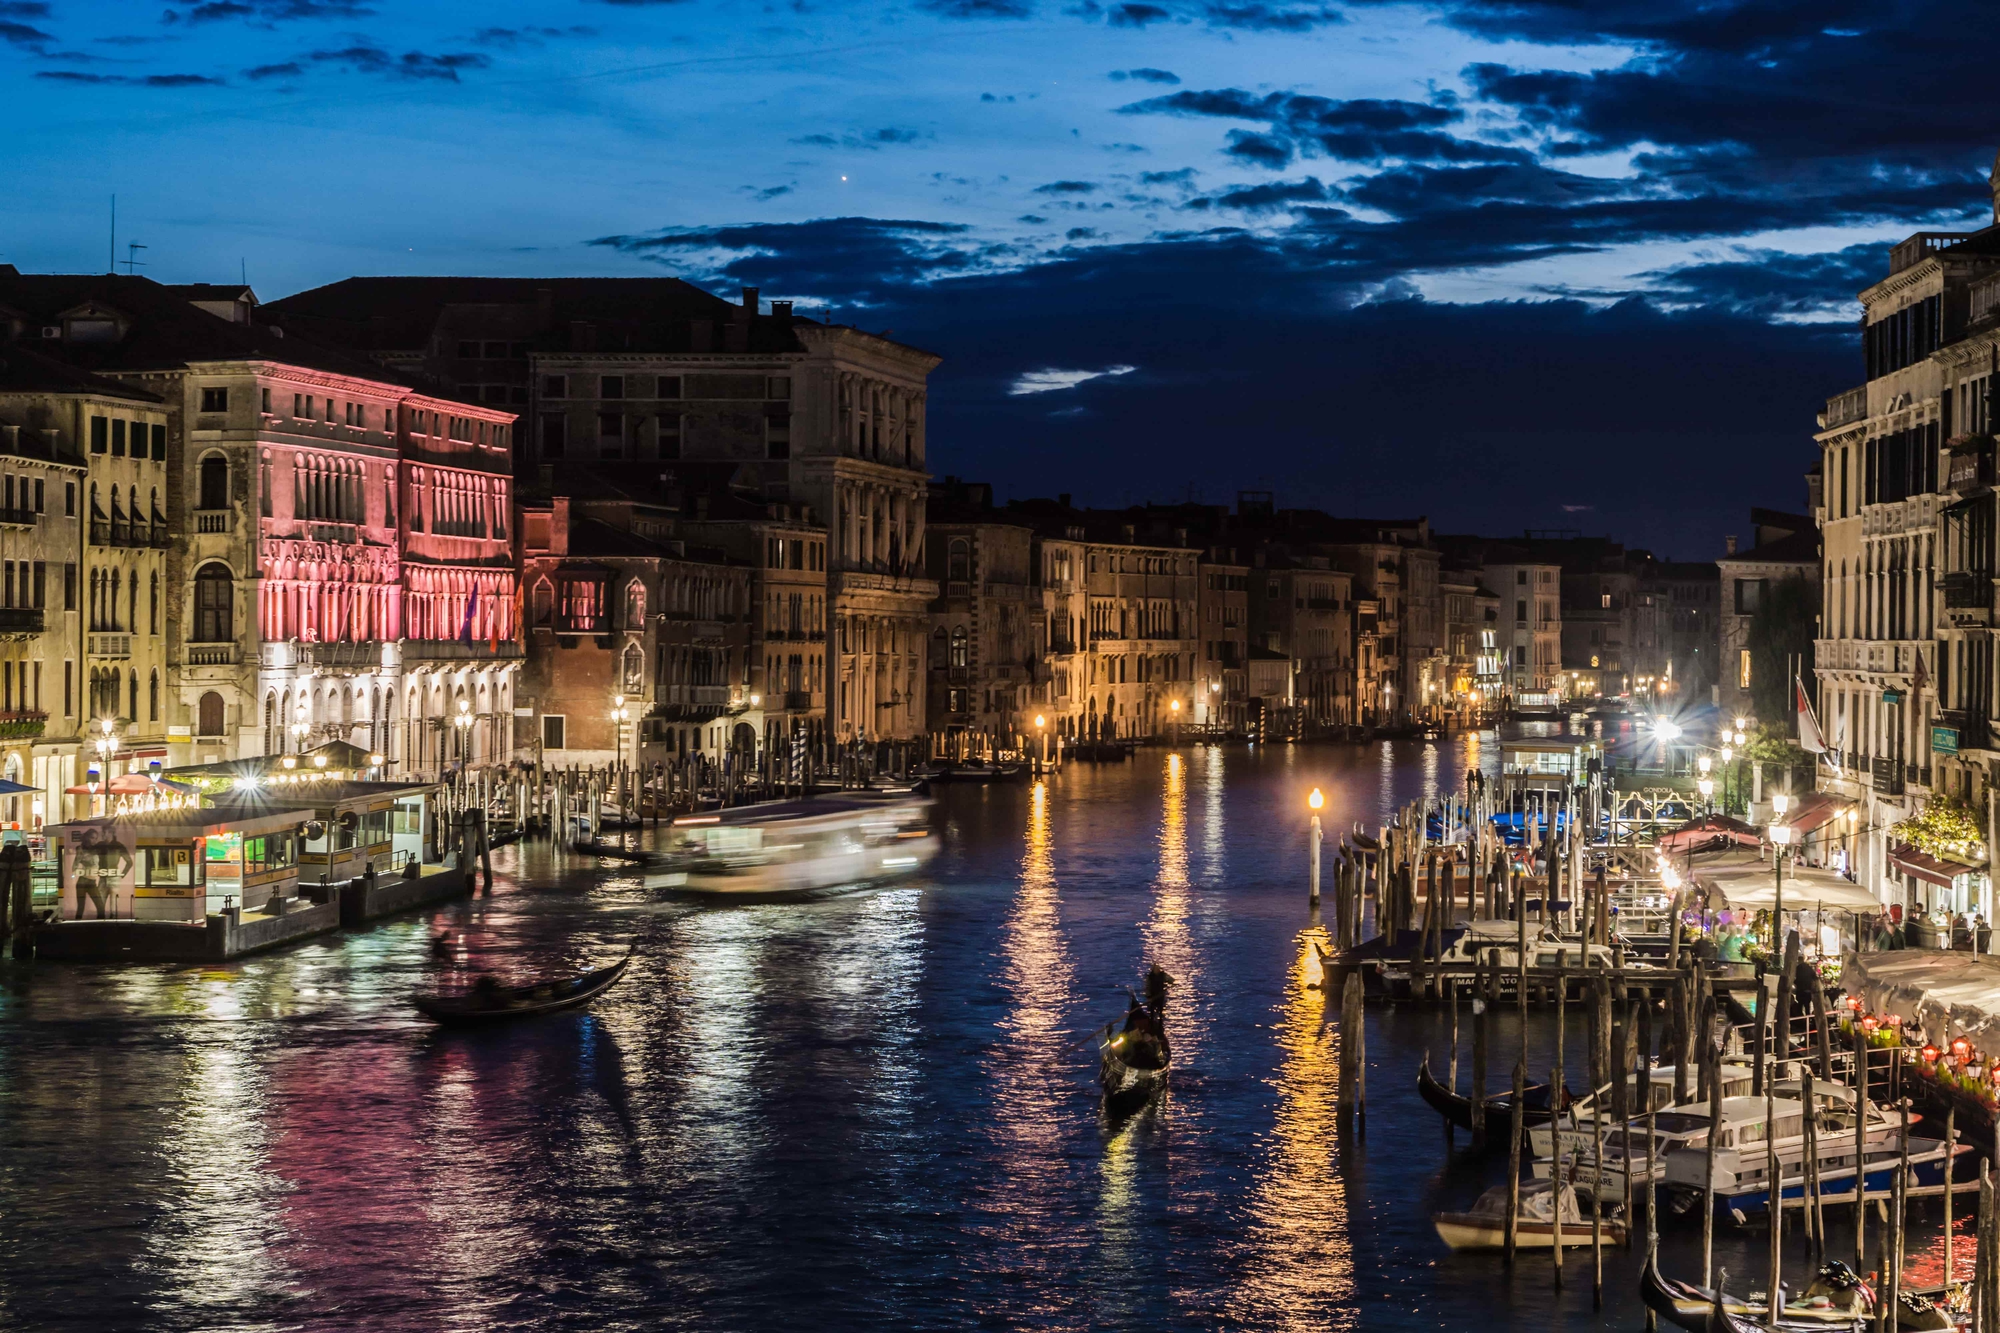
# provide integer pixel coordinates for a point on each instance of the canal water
(873, 1110)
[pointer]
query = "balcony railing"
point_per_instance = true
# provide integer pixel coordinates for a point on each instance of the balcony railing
(798, 701)
(1844, 409)
(119, 532)
(211, 654)
(1920, 247)
(110, 645)
(21, 620)
(17, 724)
(214, 520)
(17, 518)
(1888, 777)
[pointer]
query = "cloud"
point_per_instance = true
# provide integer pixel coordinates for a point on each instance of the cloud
(511, 38)
(414, 65)
(1366, 130)
(267, 13)
(1135, 15)
(853, 260)
(1055, 381)
(1067, 188)
(1770, 284)
(1145, 74)
(864, 139)
(136, 80)
(768, 193)
(1083, 234)
(977, 9)
(1576, 509)
(1268, 197)
(288, 69)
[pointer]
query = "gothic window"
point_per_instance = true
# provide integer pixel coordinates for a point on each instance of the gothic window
(635, 605)
(153, 696)
(635, 664)
(543, 602)
(960, 647)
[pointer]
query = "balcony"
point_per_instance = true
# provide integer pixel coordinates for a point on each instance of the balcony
(22, 723)
(210, 654)
(798, 701)
(119, 532)
(1972, 729)
(1968, 590)
(20, 621)
(1918, 248)
(215, 520)
(1844, 409)
(18, 518)
(1888, 777)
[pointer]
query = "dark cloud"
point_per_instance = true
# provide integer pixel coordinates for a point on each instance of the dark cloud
(977, 9)
(289, 69)
(267, 12)
(764, 196)
(365, 59)
(136, 80)
(22, 34)
(1180, 176)
(1135, 15)
(1368, 130)
(510, 38)
(1272, 18)
(870, 139)
(1145, 74)
(851, 260)
(1067, 187)
(1769, 284)
(1271, 196)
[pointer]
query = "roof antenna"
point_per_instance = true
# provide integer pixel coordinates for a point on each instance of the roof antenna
(243, 266)
(114, 234)
(132, 261)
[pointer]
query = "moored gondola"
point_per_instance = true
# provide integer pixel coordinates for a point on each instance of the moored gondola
(1499, 1108)
(1132, 1063)
(495, 1003)
(1836, 1302)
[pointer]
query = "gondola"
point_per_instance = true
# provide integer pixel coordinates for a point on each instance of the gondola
(1132, 1064)
(1835, 1302)
(1535, 1108)
(505, 1002)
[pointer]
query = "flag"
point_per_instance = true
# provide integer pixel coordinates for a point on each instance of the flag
(1919, 677)
(1809, 737)
(471, 603)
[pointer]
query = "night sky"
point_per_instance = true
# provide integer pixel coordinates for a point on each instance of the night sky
(1548, 263)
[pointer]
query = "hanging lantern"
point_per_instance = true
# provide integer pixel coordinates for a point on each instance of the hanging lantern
(1869, 1023)
(1854, 1003)
(1961, 1049)
(1929, 1053)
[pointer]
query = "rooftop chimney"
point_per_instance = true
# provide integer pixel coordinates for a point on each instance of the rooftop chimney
(782, 310)
(1729, 544)
(750, 299)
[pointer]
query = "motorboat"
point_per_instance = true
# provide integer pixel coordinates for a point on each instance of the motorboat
(1589, 1115)
(851, 837)
(1741, 1180)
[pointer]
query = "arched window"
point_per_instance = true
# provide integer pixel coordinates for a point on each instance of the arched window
(209, 715)
(132, 711)
(635, 670)
(960, 647)
(214, 598)
(959, 562)
(270, 723)
(153, 696)
(635, 605)
(214, 482)
(544, 602)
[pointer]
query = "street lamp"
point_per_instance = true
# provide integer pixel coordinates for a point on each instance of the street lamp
(1042, 736)
(619, 715)
(1315, 801)
(1174, 709)
(106, 746)
(1781, 838)
(1707, 789)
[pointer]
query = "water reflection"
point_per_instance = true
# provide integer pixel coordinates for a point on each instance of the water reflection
(1169, 940)
(1298, 1266)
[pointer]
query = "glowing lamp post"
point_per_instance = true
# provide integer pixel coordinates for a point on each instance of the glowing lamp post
(1042, 739)
(1174, 712)
(1315, 801)
(106, 746)
(1781, 838)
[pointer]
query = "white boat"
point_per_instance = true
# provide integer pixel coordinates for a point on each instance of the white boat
(1742, 1158)
(1592, 1113)
(789, 846)
(1485, 1226)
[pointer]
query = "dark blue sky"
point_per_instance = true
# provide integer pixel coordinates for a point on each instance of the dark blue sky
(1542, 263)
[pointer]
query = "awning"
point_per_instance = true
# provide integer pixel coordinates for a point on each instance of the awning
(1924, 866)
(1711, 831)
(1816, 810)
(1962, 989)
(1740, 880)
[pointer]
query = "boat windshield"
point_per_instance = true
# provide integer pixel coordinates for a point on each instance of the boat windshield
(1678, 1122)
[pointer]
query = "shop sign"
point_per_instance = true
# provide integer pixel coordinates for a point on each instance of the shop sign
(1892, 696)
(1944, 740)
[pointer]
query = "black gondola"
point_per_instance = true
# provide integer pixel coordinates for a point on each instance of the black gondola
(498, 1003)
(1835, 1302)
(1535, 1108)
(1132, 1064)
